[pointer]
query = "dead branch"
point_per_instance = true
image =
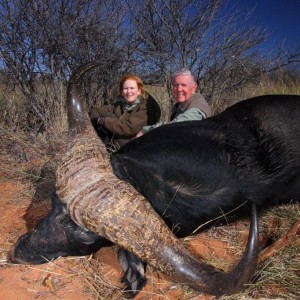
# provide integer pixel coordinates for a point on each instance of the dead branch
(284, 241)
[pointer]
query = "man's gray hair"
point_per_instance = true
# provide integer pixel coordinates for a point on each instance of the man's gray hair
(184, 72)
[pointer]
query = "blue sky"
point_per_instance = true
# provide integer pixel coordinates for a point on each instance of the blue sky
(281, 17)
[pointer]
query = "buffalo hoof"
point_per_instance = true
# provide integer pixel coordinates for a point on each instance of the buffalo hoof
(134, 272)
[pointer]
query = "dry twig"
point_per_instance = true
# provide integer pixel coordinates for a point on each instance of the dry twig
(280, 243)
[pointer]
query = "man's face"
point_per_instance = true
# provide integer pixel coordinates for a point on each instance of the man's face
(183, 88)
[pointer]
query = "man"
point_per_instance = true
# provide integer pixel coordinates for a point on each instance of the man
(190, 105)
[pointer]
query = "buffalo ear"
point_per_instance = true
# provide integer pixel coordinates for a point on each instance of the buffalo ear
(85, 236)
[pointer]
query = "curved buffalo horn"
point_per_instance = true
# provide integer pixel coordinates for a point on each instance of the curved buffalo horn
(101, 202)
(77, 117)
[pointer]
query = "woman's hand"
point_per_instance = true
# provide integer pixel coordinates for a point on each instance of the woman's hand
(100, 121)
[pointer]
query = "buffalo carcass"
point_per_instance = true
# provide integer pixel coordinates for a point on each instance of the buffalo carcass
(190, 172)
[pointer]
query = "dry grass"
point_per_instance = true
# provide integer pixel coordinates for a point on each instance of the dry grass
(279, 276)
(43, 108)
(281, 84)
(95, 280)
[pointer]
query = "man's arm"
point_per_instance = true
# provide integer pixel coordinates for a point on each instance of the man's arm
(192, 114)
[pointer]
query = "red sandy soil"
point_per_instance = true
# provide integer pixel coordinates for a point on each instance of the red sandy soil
(68, 278)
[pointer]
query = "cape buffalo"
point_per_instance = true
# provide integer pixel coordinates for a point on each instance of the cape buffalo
(180, 175)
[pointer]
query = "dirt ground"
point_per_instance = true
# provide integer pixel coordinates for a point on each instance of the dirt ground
(22, 205)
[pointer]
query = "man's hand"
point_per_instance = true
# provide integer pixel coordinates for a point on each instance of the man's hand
(139, 134)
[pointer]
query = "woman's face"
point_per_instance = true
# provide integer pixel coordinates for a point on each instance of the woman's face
(130, 90)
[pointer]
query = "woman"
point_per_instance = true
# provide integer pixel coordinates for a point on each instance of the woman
(121, 121)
